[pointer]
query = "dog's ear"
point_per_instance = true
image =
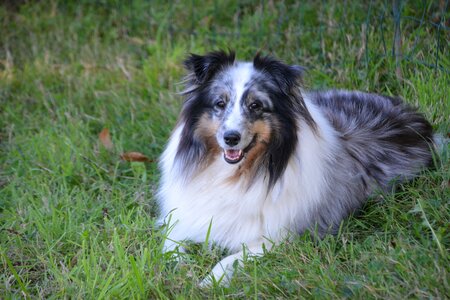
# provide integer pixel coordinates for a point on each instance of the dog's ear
(204, 67)
(286, 75)
(288, 79)
(299, 70)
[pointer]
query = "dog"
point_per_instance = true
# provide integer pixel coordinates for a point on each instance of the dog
(254, 157)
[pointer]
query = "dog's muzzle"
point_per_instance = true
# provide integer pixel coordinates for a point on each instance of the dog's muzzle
(231, 154)
(232, 138)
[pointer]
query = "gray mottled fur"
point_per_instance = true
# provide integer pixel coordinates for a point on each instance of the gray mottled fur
(382, 141)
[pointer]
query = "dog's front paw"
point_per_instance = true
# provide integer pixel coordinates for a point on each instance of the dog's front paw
(221, 273)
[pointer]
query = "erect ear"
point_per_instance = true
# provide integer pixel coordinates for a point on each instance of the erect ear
(286, 75)
(204, 67)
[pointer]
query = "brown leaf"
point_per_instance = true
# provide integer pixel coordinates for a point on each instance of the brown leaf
(134, 156)
(105, 139)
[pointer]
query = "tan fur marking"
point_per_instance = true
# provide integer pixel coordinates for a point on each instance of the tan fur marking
(206, 131)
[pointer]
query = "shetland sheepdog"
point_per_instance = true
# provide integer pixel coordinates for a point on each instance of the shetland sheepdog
(254, 157)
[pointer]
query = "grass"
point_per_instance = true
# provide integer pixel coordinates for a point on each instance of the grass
(77, 222)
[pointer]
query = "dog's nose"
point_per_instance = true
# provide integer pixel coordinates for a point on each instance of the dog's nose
(232, 138)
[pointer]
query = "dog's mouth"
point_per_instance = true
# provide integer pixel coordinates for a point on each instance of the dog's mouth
(233, 156)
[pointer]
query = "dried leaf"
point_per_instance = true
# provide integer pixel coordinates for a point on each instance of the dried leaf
(134, 156)
(105, 139)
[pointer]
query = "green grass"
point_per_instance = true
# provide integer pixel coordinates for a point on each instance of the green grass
(77, 222)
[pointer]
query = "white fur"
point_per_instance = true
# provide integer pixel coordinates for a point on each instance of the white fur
(238, 216)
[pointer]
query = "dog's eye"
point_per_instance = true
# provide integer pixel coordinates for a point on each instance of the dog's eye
(220, 104)
(257, 105)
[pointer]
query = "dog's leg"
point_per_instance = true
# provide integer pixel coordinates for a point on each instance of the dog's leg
(170, 240)
(223, 271)
(171, 245)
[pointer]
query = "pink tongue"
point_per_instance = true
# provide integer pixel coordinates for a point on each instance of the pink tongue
(233, 154)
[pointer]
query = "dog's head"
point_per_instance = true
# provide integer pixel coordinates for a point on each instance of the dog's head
(245, 112)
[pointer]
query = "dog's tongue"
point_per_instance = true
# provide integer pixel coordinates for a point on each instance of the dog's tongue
(233, 155)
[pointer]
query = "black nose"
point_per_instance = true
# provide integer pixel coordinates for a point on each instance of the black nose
(232, 138)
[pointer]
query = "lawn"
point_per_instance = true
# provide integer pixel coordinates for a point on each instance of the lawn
(77, 221)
